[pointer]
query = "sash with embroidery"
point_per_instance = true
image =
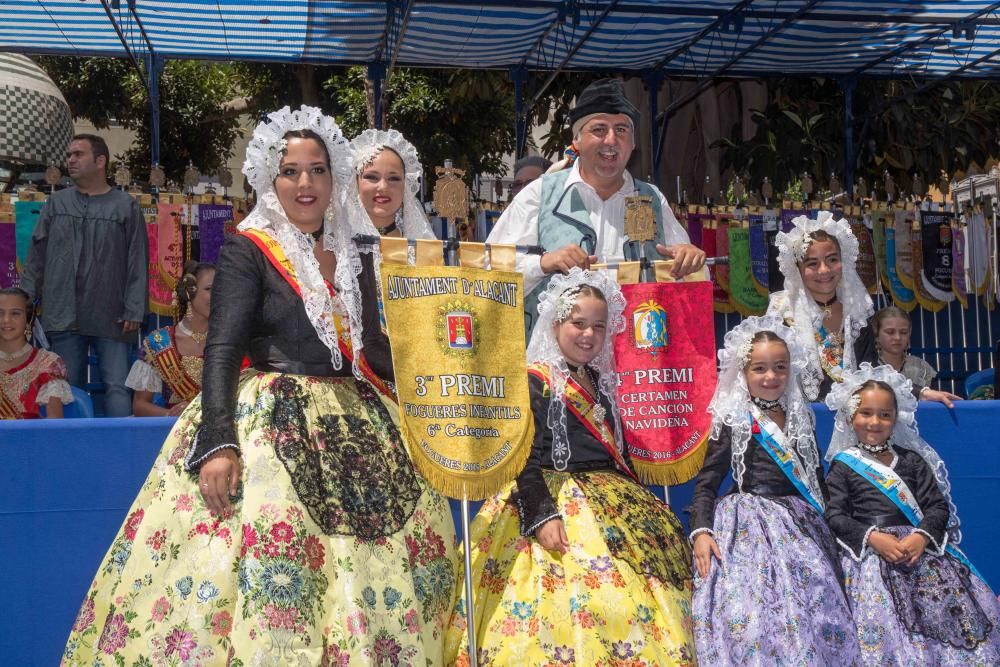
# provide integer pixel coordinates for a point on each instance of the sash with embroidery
(8, 409)
(276, 256)
(831, 353)
(771, 439)
(582, 405)
(162, 354)
(892, 486)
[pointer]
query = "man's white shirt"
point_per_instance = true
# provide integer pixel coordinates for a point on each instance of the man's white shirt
(518, 224)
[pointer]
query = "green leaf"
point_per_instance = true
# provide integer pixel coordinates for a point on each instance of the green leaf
(794, 116)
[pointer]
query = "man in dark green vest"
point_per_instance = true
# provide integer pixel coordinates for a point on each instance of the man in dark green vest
(578, 214)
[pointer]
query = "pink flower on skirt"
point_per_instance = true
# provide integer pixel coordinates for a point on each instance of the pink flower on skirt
(114, 636)
(357, 624)
(160, 609)
(411, 622)
(85, 616)
(180, 642)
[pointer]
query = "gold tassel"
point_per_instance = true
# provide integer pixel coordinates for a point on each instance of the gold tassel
(672, 474)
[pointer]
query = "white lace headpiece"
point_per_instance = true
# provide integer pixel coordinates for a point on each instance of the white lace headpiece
(730, 405)
(904, 434)
(264, 155)
(555, 304)
(799, 305)
(411, 219)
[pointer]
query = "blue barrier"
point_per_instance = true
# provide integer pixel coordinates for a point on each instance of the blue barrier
(66, 486)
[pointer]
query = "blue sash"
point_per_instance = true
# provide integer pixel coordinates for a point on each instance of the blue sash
(787, 461)
(893, 487)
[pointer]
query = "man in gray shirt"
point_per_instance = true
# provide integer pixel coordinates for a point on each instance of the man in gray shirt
(88, 266)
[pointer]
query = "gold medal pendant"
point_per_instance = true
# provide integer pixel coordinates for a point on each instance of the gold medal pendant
(640, 222)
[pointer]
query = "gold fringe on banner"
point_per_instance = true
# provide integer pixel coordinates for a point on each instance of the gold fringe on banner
(676, 472)
(472, 255)
(395, 250)
(503, 257)
(430, 253)
(663, 267)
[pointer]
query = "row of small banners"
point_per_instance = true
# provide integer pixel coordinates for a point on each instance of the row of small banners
(916, 256)
(179, 227)
(468, 423)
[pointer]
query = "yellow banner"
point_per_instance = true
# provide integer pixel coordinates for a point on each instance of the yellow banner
(457, 336)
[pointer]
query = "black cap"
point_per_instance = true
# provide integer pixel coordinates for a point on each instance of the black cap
(604, 96)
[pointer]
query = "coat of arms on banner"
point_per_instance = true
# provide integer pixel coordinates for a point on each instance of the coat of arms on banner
(458, 328)
(649, 327)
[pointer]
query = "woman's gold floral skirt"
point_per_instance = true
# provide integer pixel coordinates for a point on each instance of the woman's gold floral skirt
(337, 552)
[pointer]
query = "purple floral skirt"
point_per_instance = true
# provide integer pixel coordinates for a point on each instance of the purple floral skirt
(934, 613)
(777, 597)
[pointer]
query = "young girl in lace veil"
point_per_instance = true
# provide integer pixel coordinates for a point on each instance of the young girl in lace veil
(826, 303)
(767, 580)
(273, 528)
(577, 562)
(916, 598)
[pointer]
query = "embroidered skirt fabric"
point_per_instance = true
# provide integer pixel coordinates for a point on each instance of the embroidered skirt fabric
(935, 613)
(337, 553)
(620, 596)
(777, 599)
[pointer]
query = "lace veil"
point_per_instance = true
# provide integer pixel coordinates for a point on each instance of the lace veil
(799, 306)
(364, 148)
(554, 306)
(730, 405)
(904, 434)
(264, 154)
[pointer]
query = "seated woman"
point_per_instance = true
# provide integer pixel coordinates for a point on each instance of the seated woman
(173, 356)
(892, 329)
(826, 303)
(29, 377)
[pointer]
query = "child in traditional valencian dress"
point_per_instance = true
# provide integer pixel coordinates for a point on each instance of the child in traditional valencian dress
(916, 598)
(578, 563)
(767, 581)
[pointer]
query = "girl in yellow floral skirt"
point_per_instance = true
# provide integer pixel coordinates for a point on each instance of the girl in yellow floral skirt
(577, 563)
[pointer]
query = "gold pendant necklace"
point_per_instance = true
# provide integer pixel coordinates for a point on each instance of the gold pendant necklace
(196, 336)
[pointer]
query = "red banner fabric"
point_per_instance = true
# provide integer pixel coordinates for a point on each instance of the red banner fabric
(666, 378)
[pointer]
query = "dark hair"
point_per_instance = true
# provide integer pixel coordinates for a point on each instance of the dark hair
(309, 134)
(878, 384)
(822, 235)
(532, 161)
(98, 147)
(187, 286)
(887, 312)
(29, 308)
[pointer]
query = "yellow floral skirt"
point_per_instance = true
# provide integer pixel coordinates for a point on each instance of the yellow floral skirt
(621, 596)
(337, 552)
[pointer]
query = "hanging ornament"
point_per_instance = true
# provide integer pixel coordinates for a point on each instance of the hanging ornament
(122, 175)
(451, 197)
(53, 175)
(191, 176)
(157, 177)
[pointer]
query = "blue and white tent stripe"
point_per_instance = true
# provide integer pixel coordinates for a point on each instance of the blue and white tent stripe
(833, 38)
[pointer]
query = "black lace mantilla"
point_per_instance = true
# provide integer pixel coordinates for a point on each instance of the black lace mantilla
(655, 546)
(350, 471)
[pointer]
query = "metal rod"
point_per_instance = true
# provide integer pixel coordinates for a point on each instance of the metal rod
(470, 612)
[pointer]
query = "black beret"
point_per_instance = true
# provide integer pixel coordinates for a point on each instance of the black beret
(604, 96)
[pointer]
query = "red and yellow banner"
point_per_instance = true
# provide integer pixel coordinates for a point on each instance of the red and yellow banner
(667, 375)
(457, 336)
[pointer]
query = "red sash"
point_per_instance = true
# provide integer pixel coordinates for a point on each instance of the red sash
(581, 404)
(167, 361)
(274, 253)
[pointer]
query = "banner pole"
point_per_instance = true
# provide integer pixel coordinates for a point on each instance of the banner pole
(470, 613)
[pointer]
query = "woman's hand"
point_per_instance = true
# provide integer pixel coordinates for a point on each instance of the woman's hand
(704, 548)
(888, 547)
(946, 397)
(552, 536)
(176, 409)
(218, 479)
(914, 543)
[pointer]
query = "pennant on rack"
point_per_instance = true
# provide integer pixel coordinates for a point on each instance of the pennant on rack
(867, 269)
(926, 300)
(457, 338)
(212, 221)
(25, 217)
(695, 227)
(8, 247)
(936, 247)
(757, 239)
(721, 226)
(160, 294)
(977, 252)
(743, 294)
(709, 239)
(904, 247)
(958, 285)
(902, 296)
(667, 374)
(170, 239)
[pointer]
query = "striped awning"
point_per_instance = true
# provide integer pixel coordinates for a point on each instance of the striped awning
(890, 38)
